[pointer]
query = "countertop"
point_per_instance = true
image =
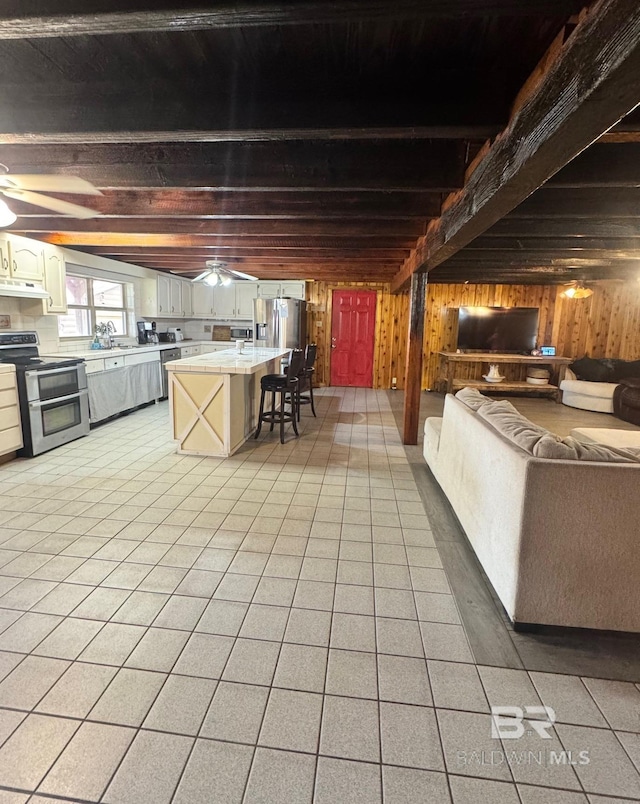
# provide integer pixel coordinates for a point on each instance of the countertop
(227, 361)
(100, 354)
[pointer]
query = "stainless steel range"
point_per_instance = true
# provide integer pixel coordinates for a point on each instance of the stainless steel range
(54, 403)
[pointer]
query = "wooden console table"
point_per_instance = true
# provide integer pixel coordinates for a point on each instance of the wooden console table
(452, 359)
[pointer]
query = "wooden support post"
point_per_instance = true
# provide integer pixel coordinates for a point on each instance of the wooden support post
(413, 373)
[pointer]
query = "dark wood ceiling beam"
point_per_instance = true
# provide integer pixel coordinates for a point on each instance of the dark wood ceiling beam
(172, 204)
(147, 113)
(276, 254)
(600, 165)
(548, 203)
(137, 253)
(303, 270)
(551, 229)
(228, 228)
(420, 165)
(526, 244)
(119, 240)
(550, 255)
(588, 88)
(102, 17)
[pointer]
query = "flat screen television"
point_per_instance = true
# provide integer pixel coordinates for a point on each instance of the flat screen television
(497, 329)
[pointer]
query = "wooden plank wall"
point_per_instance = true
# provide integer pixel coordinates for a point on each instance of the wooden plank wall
(607, 324)
(391, 329)
(441, 321)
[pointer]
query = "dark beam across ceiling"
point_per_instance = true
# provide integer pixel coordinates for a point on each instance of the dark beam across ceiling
(148, 113)
(436, 165)
(556, 123)
(210, 205)
(395, 230)
(34, 20)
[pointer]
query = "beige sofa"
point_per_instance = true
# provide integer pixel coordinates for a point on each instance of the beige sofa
(584, 395)
(557, 538)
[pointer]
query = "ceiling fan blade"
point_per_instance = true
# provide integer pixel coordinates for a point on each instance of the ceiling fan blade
(48, 183)
(54, 204)
(201, 276)
(241, 275)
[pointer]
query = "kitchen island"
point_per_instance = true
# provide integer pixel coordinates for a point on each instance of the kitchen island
(214, 398)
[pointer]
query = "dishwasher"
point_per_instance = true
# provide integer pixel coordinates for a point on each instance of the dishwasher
(165, 356)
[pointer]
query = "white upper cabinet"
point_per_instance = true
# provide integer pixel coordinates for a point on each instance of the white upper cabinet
(202, 300)
(163, 297)
(274, 290)
(175, 291)
(187, 299)
(224, 301)
(4, 256)
(26, 260)
(268, 290)
(292, 290)
(54, 281)
(246, 292)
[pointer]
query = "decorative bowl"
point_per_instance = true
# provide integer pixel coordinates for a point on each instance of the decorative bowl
(488, 378)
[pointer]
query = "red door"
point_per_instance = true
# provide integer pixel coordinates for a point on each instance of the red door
(352, 337)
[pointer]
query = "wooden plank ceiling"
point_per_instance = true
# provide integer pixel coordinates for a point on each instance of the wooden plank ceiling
(300, 140)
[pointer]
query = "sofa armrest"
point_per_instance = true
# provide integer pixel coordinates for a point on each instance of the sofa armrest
(631, 382)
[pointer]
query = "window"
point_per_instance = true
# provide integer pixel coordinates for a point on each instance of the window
(91, 302)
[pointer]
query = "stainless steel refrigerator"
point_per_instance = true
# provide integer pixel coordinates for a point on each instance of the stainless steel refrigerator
(280, 323)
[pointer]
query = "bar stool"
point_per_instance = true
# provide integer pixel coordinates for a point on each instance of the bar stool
(305, 379)
(287, 386)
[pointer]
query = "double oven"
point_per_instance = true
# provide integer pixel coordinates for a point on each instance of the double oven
(54, 401)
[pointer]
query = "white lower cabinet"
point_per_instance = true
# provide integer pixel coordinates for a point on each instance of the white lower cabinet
(122, 382)
(10, 427)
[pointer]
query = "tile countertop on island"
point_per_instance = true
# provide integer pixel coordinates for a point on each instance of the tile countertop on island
(228, 361)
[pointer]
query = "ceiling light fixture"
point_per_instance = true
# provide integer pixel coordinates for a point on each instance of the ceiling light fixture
(7, 217)
(219, 273)
(577, 291)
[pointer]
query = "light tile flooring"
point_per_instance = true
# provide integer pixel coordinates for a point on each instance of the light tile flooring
(273, 628)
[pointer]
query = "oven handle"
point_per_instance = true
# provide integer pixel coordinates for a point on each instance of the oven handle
(58, 399)
(46, 372)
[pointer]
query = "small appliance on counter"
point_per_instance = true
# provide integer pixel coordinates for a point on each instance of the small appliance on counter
(147, 332)
(177, 332)
(54, 401)
(166, 337)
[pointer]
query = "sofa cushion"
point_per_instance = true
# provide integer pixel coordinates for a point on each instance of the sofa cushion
(627, 369)
(504, 418)
(569, 449)
(601, 390)
(472, 398)
(594, 370)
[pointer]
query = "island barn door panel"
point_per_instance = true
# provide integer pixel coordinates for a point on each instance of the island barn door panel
(353, 326)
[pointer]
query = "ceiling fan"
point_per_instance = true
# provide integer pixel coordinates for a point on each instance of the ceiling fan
(577, 290)
(29, 188)
(218, 273)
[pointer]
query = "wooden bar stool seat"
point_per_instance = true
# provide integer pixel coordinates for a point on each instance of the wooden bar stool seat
(305, 378)
(286, 385)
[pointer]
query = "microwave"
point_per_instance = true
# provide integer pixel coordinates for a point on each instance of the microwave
(241, 333)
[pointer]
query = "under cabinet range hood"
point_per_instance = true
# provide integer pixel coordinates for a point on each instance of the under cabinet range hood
(22, 290)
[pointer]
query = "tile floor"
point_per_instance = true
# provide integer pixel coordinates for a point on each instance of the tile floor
(272, 628)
